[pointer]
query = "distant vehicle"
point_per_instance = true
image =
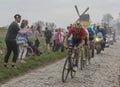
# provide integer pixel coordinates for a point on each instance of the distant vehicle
(118, 37)
(98, 47)
(107, 44)
(111, 40)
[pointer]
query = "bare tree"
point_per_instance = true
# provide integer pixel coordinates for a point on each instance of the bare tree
(51, 26)
(37, 24)
(107, 18)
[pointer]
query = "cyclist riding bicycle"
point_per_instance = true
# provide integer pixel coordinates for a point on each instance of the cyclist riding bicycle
(101, 30)
(78, 39)
(91, 32)
(86, 45)
(92, 35)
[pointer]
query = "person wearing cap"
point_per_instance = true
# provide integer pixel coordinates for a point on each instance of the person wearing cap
(10, 40)
(78, 39)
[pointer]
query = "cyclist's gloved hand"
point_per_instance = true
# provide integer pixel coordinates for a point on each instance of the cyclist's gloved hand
(65, 42)
(78, 47)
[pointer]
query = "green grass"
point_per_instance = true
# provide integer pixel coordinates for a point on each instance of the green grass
(32, 62)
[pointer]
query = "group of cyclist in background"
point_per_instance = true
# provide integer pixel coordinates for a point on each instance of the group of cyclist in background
(92, 37)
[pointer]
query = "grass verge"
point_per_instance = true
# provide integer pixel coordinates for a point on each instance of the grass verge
(32, 63)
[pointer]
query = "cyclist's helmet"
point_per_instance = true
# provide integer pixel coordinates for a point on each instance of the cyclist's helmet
(78, 25)
(101, 28)
(89, 28)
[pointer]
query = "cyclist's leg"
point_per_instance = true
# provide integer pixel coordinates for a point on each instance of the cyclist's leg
(78, 53)
(83, 50)
(72, 43)
(92, 46)
(86, 42)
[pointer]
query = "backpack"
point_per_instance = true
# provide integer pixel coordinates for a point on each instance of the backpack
(48, 34)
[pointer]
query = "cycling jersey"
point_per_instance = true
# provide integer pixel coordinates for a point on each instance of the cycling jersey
(91, 32)
(87, 37)
(77, 34)
(87, 33)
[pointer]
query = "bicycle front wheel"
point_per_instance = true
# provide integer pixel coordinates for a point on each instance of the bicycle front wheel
(66, 70)
(88, 55)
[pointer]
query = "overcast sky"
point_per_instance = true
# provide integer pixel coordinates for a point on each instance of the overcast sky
(62, 12)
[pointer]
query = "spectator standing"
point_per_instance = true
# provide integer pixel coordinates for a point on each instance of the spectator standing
(54, 38)
(58, 39)
(22, 41)
(38, 35)
(48, 36)
(69, 39)
(10, 40)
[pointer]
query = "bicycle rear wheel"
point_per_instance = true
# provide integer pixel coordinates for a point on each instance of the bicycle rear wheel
(98, 48)
(88, 55)
(66, 70)
(29, 51)
(82, 62)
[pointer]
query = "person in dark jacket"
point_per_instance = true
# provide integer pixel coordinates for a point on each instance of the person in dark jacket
(48, 36)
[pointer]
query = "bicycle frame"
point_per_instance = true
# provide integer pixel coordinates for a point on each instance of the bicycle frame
(72, 53)
(83, 50)
(69, 63)
(82, 57)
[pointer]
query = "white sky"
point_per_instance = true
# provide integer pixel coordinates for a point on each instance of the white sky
(62, 12)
